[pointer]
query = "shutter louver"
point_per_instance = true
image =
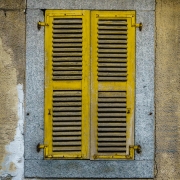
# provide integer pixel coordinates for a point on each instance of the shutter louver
(67, 49)
(67, 121)
(66, 88)
(112, 50)
(112, 122)
(112, 85)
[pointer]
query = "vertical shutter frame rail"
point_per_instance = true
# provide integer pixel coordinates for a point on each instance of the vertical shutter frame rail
(112, 73)
(66, 85)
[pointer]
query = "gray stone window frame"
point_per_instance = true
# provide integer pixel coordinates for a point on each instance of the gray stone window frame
(143, 165)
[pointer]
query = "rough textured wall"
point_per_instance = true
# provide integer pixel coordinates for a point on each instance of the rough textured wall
(167, 89)
(12, 68)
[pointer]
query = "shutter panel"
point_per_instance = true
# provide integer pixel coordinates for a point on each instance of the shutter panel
(67, 84)
(113, 44)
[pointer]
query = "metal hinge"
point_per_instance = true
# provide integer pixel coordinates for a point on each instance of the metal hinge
(128, 110)
(140, 25)
(137, 148)
(40, 146)
(41, 24)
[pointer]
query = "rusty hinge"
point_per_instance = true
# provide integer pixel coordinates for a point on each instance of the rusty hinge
(41, 24)
(40, 146)
(138, 26)
(137, 148)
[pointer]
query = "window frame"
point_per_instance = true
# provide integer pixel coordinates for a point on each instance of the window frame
(143, 165)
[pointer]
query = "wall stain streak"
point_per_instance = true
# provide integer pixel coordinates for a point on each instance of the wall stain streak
(12, 68)
(8, 96)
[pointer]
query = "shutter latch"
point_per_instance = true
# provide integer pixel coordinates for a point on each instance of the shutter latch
(41, 24)
(137, 148)
(138, 26)
(40, 146)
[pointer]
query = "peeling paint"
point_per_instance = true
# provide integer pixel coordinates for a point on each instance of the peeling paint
(13, 163)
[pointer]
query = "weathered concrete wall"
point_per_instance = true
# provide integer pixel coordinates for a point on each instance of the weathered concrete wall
(12, 68)
(167, 89)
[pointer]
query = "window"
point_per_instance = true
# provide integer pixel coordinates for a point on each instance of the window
(89, 84)
(36, 165)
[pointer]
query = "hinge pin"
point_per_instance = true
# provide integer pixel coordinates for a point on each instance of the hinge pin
(137, 148)
(140, 25)
(40, 146)
(41, 24)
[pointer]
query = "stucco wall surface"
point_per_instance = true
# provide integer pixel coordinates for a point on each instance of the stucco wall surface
(167, 84)
(12, 5)
(12, 68)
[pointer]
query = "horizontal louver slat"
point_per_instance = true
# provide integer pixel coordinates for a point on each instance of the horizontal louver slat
(106, 60)
(112, 50)
(67, 121)
(67, 64)
(67, 138)
(113, 119)
(65, 59)
(112, 32)
(111, 99)
(118, 140)
(112, 78)
(64, 21)
(60, 119)
(112, 109)
(66, 133)
(115, 69)
(67, 49)
(68, 68)
(110, 144)
(112, 134)
(59, 99)
(114, 41)
(108, 129)
(66, 109)
(67, 45)
(66, 143)
(113, 27)
(112, 149)
(113, 65)
(112, 122)
(66, 149)
(74, 104)
(112, 22)
(60, 30)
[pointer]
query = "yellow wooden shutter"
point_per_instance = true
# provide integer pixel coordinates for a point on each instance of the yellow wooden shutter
(67, 84)
(113, 84)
